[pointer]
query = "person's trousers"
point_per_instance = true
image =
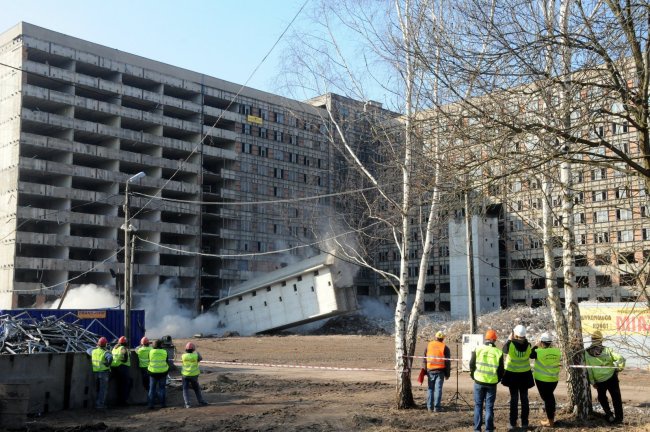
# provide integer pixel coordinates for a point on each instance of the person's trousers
(101, 379)
(144, 374)
(546, 390)
(123, 381)
(611, 386)
(488, 394)
(157, 383)
(193, 382)
(519, 393)
(434, 394)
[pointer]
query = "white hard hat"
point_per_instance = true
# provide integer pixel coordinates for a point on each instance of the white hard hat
(519, 331)
(546, 337)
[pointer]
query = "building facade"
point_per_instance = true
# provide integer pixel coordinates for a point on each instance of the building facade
(230, 176)
(78, 119)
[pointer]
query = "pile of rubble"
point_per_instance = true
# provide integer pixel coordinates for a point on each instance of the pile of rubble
(536, 320)
(355, 324)
(22, 334)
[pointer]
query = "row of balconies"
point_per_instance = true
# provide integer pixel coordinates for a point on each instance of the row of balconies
(107, 153)
(51, 167)
(66, 193)
(583, 293)
(110, 66)
(116, 132)
(108, 108)
(115, 88)
(65, 241)
(119, 89)
(67, 216)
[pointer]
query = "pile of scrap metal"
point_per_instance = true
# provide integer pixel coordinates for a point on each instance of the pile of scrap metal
(23, 334)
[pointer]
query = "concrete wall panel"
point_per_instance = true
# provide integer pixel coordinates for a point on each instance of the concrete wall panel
(60, 381)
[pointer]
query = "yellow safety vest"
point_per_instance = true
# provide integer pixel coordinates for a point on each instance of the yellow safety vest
(487, 364)
(547, 364)
(120, 352)
(99, 360)
(158, 361)
(608, 362)
(518, 361)
(190, 364)
(143, 355)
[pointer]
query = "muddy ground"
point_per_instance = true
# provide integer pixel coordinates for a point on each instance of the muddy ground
(251, 393)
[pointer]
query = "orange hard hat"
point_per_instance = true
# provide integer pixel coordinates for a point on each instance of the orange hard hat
(102, 341)
(491, 335)
(189, 346)
(144, 341)
(121, 340)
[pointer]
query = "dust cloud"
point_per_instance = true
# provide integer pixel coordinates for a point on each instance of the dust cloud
(88, 296)
(165, 316)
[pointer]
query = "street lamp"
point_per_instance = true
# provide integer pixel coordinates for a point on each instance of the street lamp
(128, 257)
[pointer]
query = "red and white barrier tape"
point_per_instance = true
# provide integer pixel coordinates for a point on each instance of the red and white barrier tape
(371, 369)
(296, 366)
(434, 358)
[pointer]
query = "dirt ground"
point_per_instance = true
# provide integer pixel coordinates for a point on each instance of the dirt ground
(251, 393)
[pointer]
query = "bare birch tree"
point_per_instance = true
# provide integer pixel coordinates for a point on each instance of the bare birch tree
(394, 44)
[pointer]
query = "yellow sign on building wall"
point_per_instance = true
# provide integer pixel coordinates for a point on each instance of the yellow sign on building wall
(254, 119)
(91, 314)
(615, 318)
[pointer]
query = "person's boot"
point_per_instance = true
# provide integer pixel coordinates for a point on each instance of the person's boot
(548, 423)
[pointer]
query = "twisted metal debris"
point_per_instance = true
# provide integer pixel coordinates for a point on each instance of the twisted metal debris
(23, 334)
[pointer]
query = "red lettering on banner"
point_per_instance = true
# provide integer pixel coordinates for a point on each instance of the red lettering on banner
(632, 324)
(642, 324)
(623, 323)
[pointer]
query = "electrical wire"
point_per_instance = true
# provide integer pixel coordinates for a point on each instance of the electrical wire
(253, 254)
(43, 288)
(241, 88)
(55, 212)
(247, 203)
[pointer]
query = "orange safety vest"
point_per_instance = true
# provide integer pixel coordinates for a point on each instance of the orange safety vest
(436, 349)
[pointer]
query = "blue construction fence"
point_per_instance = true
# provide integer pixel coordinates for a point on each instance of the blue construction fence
(104, 322)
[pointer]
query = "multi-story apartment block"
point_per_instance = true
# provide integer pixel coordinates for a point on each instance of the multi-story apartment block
(227, 168)
(222, 162)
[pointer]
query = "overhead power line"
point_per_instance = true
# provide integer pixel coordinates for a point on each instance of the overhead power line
(246, 203)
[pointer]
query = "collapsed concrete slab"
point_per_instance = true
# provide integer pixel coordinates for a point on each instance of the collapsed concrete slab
(290, 296)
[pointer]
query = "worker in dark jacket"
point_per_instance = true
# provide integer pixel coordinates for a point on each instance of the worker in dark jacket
(518, 376)
(486, 369)
(438, 366)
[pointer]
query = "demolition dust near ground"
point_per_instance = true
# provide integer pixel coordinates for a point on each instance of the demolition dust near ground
(247, 394)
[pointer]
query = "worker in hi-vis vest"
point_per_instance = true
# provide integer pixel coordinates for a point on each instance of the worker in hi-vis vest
(120, 370)
(546, 373)
(438, 367)
(101, 360)
(143, 361)
(486, 369)
(190, 373)
(604, 366)
(158, 368)
(518, 376)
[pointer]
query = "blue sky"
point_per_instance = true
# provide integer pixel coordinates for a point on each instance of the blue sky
(225, 39)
